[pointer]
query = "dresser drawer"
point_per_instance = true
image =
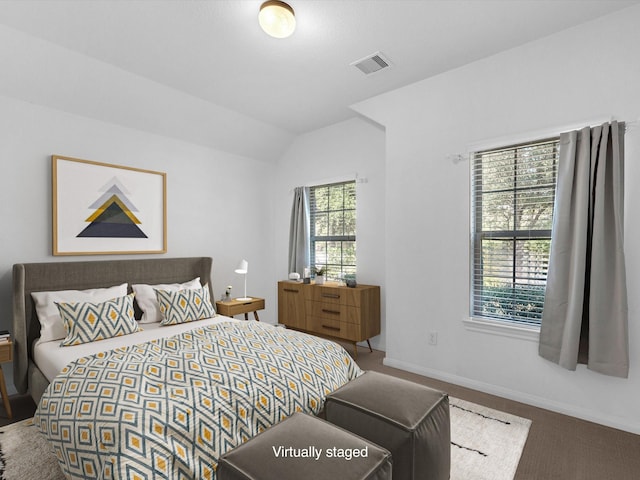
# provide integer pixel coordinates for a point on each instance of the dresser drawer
(343, 295)
(328, 295)
(334, 328)
(333, 311)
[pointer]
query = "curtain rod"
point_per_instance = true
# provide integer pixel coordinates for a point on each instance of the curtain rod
(349, 177)
(456, 158)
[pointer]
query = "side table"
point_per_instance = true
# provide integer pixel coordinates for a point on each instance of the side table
(236, 307)
(6, 355)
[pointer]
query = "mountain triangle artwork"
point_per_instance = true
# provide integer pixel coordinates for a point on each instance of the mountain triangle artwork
(113, 217)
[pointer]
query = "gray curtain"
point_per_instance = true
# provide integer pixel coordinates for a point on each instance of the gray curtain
(585, 309)
(299, 243)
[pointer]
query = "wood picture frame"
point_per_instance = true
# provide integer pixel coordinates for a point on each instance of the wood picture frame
(99, 208)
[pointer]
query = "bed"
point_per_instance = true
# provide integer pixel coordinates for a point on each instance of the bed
(170, 406)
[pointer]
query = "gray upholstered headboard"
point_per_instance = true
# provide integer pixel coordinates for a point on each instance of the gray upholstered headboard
(34, 277)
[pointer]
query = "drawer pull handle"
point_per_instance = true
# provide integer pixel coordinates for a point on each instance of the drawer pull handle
(331, 295)
(332, 312)
(291, 290)
(328, 327)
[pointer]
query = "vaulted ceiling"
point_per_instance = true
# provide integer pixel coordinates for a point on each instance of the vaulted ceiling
(215, 52)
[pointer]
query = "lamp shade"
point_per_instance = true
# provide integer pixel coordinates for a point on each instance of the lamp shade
(243, 267)
(277, 19)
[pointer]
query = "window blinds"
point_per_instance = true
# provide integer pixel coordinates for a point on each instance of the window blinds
(513, 192)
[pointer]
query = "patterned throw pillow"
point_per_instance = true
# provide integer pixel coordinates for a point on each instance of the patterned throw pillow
(87, 322)
(185, 305)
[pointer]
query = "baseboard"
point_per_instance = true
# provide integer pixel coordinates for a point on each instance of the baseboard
(540, 402)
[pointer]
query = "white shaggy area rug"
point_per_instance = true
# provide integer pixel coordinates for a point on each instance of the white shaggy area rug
(486, 444)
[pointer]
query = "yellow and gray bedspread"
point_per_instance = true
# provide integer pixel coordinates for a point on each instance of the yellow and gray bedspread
(169, 408)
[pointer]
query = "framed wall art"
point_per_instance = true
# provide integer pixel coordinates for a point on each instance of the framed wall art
(100, 208)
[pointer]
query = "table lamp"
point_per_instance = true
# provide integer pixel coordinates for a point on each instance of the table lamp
(243, 268)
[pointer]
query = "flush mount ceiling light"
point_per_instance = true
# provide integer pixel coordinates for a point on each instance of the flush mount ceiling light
(277, 19)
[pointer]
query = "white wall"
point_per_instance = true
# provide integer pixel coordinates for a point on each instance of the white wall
(585, 73)
(337, 153)
(218, 204)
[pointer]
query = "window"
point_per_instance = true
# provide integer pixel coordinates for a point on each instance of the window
(333, 228)
(513, 191)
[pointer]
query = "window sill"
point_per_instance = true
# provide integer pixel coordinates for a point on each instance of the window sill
(505, 329)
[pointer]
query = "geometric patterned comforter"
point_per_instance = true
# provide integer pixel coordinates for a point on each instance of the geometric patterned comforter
(169, 408)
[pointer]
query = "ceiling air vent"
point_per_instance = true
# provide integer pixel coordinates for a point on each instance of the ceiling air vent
(372, 63)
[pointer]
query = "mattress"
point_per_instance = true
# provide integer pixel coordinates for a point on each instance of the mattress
(51, 358)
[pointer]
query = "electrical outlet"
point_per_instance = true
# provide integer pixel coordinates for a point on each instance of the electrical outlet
(433, 338)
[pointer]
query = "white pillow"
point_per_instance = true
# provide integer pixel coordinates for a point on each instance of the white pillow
(51, 325)
(148, 303)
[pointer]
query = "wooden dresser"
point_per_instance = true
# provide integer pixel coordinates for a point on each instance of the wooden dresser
(351, 314)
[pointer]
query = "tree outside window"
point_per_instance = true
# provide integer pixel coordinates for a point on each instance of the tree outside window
(333, 228)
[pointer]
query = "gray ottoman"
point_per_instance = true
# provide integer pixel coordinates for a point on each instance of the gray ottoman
(408, 419)
(305, 447)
